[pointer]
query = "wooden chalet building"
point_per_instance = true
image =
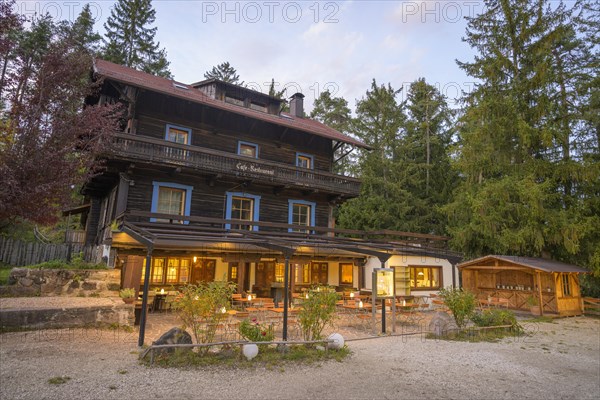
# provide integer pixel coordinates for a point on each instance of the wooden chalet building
(210, 181)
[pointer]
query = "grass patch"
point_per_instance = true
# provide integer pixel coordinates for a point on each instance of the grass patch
(4, 273)
(545, 319)
(59, 380)
(270, 358)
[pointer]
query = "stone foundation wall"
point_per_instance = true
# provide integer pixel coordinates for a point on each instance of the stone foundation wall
(26, 282)
(120, 314)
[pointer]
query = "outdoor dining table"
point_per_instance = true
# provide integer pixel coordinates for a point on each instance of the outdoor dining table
(281, 309)
(366, 306)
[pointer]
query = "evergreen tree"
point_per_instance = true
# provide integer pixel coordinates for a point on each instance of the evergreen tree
(334, 112)
(519, 194)
(130, 40)
(224, 72)
(427, 175)
(82, 31)
(383, 202)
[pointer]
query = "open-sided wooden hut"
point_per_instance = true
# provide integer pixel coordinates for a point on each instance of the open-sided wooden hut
(524, 280)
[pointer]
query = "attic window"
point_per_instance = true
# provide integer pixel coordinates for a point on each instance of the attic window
(180, 86)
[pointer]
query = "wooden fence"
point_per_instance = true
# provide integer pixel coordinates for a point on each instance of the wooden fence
(19, 253)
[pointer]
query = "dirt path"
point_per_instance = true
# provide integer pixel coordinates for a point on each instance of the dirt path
(560, 360)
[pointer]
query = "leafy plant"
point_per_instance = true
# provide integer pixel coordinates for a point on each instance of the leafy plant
(127, 293)
(318, 310)
(200, 307)
(495, 317)
(460, 302)
(59, 380)
(532, 301)
(256, 332)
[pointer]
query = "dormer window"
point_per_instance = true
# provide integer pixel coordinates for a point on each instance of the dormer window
(258, 107)
(247, 149)
(233, 100)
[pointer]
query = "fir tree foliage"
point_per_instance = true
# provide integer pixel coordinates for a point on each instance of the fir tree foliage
(130, 38)
(334, 112)
(523, 146)
(224, 72)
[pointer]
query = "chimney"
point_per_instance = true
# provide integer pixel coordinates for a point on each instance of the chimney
(297, 105)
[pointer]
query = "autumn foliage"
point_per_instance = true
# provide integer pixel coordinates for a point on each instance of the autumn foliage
(49, 141)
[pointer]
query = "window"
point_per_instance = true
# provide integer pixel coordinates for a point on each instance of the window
(233, 100)
(171, 198)
(233, 272)
(566, 287)
(425, 278)
(172, 270)
(301, 274)
(346, 274)
(158, 269)
(178, 134)
(258, 107)
(301, 213)
(247, 149)
(242, 206)
(304, 161)
(279, 272)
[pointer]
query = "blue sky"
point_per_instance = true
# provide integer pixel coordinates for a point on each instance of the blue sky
(309, 46)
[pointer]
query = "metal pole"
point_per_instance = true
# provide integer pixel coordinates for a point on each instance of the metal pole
(286, 300)
(145, 297)
(383, 316)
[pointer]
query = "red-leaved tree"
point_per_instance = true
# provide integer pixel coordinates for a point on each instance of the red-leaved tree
(49, 142)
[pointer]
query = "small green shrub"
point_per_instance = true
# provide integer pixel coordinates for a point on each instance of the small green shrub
(318, 311)
(256, 332)
(532, 301)
(461, 304)
(127, 293)
(495, 317)
(59, 380)
(199, 308)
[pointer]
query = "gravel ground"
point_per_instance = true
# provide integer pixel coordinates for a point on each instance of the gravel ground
(560, 360)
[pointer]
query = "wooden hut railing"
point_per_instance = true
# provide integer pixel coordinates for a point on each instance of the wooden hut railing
(161, 151)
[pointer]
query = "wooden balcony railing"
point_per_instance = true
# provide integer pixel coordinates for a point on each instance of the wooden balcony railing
(218, 162)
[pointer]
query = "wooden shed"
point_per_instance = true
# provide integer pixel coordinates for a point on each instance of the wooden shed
(554, 284)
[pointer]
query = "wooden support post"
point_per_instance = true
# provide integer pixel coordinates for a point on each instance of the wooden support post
(144, 311)
(539, 284)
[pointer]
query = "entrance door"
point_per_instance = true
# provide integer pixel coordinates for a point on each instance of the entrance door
(319, 273)
(203, 271)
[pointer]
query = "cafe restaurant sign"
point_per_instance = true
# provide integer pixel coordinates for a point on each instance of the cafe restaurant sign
(253, 168)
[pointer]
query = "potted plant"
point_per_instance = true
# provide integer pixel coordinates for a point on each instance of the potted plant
(534, 305)
(128, 295)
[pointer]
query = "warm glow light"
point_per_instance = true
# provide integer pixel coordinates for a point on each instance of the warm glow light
(223, 310)
(403, 303)
(195, 258)
(360, 304)
(306, 295)
(420, 274)
(249, 297)
(162, 291)
(351, 294)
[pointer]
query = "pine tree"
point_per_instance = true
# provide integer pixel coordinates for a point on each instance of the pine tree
(383, 202)
(130, 40)
(334, 112)
(82, 31)
(224, 72)
(427, 175)
(515, 149)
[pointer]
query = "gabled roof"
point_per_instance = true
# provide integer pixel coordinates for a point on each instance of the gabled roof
(173, 88)
(530, 262)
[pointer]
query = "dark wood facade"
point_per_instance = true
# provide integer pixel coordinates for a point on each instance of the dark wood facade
(208, 165)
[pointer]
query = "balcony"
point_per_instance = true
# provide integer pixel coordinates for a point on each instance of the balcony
(139, 148)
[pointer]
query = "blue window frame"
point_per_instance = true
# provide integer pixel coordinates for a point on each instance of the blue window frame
(247, 149)
(304, 160)
(186, 197)
(230, 197)
(178, 134)
(301, 212)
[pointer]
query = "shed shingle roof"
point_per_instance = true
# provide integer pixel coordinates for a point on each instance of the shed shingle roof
(168, 87)
(531, 262)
